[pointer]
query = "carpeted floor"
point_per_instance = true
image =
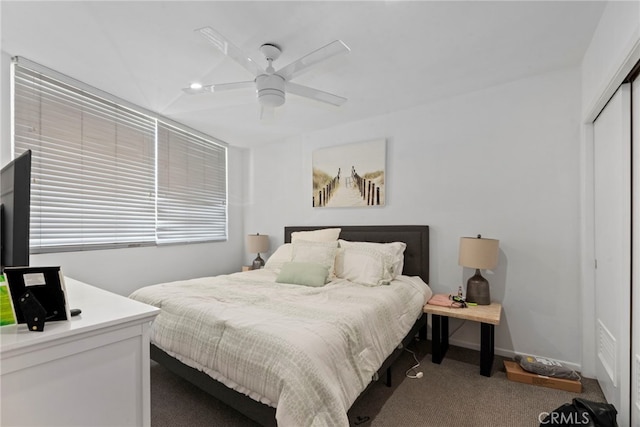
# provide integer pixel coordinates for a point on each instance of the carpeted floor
(450, 394)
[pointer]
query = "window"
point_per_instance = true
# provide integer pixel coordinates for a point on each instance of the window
(107, 174)
(191, 187)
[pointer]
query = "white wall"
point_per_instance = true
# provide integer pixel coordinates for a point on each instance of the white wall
(503, 162)
(124, 270)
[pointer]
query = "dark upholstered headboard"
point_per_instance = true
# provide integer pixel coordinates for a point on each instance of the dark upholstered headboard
(416, 255)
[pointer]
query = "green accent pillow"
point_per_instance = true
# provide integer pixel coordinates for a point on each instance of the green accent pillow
(303, 273)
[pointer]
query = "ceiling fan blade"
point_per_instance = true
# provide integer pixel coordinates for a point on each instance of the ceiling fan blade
(232, 86)
(220, 87)
(229, 49)
(297, 67)
(316, 94)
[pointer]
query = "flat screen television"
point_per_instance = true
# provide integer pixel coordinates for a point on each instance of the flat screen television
(15, 212)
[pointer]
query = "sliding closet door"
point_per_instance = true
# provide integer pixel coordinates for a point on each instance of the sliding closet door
(635, 252)
(612, 154)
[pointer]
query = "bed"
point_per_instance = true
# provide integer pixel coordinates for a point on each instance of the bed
(235, 336)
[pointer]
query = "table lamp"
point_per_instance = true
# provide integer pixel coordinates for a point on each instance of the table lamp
(257, 243)
(477, 252)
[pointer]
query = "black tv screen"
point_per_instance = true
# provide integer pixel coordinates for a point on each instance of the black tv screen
(15, 197)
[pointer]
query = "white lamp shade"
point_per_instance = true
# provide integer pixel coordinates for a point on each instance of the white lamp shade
(476, 252)
(257, 243)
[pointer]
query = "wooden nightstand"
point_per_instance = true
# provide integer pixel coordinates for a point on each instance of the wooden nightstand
(487, 315)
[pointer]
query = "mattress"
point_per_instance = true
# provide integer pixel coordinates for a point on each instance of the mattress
(307, 351)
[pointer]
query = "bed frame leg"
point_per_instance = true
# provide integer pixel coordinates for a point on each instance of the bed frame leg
(422, 334)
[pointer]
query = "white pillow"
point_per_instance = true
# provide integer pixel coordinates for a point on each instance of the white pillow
(368, 263)
(322, 235)
(323, 253)
(281, 256)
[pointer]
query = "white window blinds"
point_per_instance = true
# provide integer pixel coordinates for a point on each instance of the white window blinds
(94, 172)
(191, 187)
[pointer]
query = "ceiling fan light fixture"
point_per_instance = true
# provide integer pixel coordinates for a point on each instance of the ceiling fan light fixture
(271, 98)
(270, 90)
(195, 86)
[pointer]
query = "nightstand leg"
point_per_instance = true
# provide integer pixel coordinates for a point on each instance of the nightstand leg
(486, 348)
(439, 337)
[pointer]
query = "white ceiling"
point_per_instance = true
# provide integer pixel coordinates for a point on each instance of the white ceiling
(403, 54)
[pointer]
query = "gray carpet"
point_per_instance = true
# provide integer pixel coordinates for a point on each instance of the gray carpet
(450, 394)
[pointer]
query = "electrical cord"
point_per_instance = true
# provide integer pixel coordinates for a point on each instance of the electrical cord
(411, 372)
(456, 329)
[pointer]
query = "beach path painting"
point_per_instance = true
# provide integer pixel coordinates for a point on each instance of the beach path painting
(350, 175)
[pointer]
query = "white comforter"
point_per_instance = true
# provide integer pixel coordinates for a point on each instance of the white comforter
(307, 351)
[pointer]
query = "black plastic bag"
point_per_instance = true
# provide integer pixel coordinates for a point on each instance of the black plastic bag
(582, 413)
(603, 414)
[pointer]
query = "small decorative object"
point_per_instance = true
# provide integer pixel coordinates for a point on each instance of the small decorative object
(350, 175)
(478, 253)
(257, 243)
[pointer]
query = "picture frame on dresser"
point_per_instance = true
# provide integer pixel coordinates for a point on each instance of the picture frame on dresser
(37, 295)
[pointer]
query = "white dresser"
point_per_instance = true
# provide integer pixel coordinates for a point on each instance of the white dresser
(90, 371)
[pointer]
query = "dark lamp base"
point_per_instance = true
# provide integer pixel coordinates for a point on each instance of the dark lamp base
(478, 290)
(258, 263)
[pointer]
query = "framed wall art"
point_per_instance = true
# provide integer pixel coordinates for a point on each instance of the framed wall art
(350, 175)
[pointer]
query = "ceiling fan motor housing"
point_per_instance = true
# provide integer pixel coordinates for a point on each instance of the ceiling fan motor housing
(270, 89)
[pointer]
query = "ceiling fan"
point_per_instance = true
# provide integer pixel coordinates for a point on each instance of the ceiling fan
(271, 85)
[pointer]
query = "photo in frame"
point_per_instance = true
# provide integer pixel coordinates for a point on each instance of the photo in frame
(7, 313)
(350, 175)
